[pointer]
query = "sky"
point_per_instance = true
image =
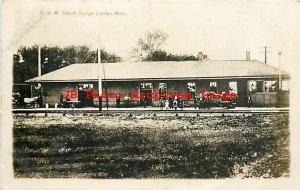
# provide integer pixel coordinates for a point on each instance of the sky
(221, 29)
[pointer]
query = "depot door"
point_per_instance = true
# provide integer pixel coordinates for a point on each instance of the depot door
(146, 88)
(84, 101)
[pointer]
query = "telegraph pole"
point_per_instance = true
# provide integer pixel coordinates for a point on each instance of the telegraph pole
(279, 93)
(105, 86)
(39, 61)
(279, 66)
(40, 96)
(265, 54)
(99, 75)
(100, 80)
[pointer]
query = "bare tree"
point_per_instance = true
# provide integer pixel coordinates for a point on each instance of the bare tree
(150, 43)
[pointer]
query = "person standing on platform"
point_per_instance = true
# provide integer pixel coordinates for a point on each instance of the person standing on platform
(180, 103)
(195, 102)
(171, 102)
(61, 100)
(167, 106)
(118, 100)
(127, 101)
(144, 101)
(175, 103)
(161, 104)
(100, 103)
(40, 98)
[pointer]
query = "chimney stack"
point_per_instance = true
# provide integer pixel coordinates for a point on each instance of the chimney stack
(247, 55)
(200, 56)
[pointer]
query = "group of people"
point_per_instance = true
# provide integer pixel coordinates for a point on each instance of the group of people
(118, 100)
(171, 103)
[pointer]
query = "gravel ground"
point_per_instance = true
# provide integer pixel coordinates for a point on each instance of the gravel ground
(151, 146)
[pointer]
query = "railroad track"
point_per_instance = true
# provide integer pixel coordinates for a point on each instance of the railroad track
(284, 110)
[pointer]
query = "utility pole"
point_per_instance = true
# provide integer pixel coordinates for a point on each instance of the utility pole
(99, 75)
(105, 87)
(40, 96)
(279, 93)
(39, 61)
(279, 66)
(265, 54)
(100, 80)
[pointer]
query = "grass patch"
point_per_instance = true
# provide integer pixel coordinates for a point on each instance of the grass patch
(212, 146)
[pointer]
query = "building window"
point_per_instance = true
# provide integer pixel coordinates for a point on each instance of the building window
(213, 86)
(255, 86)
(85, 86)
(270, 86)
(162, 91)
(233, 87)
(146, 85)
(252, 86)
(191, 88)
(285, 85)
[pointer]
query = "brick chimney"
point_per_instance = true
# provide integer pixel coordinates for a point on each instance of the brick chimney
(200, 56)
(247, 55)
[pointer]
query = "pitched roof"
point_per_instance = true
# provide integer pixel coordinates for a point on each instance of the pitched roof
(161, 70)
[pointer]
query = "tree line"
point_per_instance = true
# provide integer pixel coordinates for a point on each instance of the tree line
(148, 48)
(52, 58)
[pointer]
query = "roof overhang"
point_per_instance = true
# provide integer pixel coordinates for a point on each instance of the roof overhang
(162, 79)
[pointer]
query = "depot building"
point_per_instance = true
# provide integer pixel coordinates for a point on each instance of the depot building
(246, 78)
